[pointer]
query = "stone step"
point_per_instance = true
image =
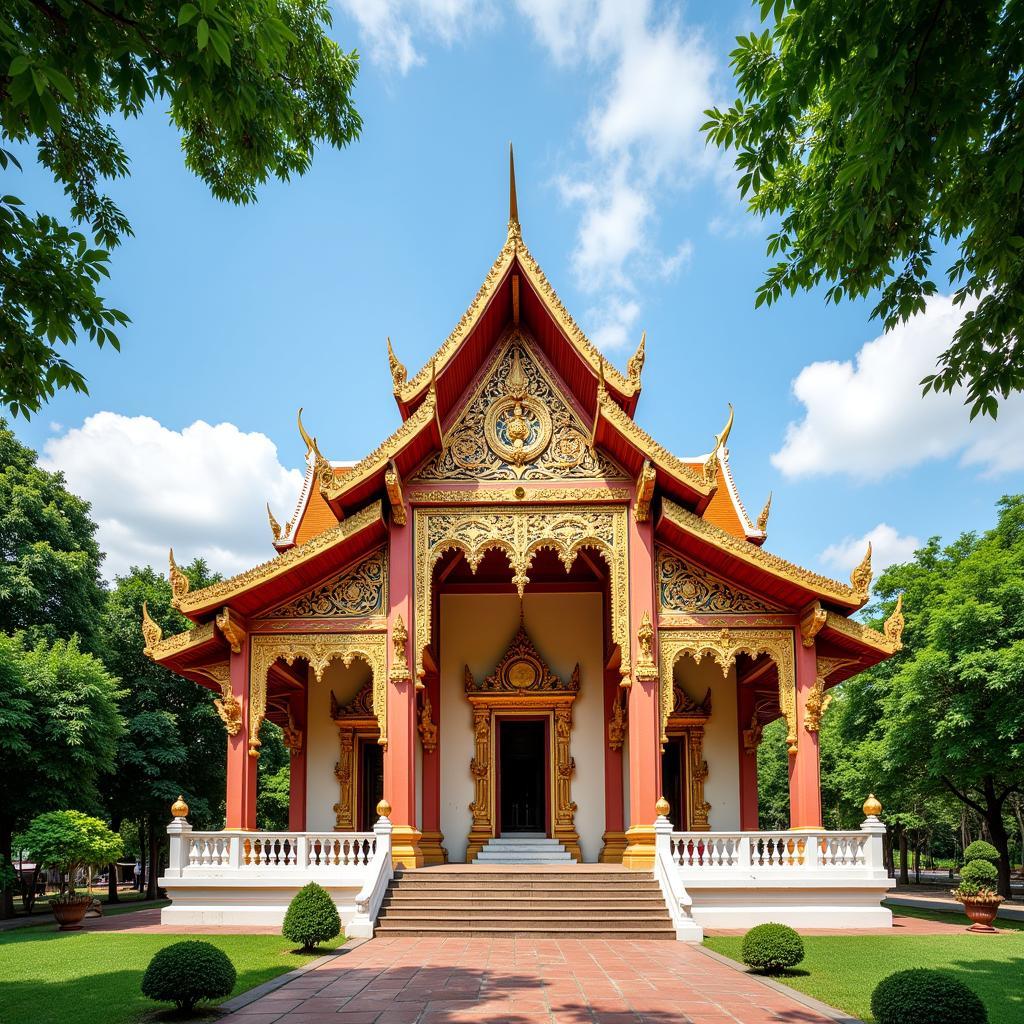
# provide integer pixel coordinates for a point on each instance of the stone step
(522, 915)
(533, 883)
(531, 846)
(548, 930)
(556, 904)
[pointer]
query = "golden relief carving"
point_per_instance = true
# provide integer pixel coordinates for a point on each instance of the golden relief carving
(504, 495)
(645, 666)
(360, 706)
(275, 527)
(893, 627)
(179, 581)
(520, 533)
(399, 658)
(517, 426)
(817, 699)
(233, 633)
(754, 555)
(164, 648)
(700, 809)
(228, 706)
(861, 633)
(723, 646)
(282, 564)
(617, 723)
(318, 650)
(762, 519)
(358, 590)
(393, 486)
(399, 374)
(356, 721)
(752, 735)
(427, 728)
(684, 706)
(291, 736)
(644, 492)
(687, 587)
(522, 669)
(152, 634)
(860, 578)
(635, 366)
(811, 623)
(344, 809)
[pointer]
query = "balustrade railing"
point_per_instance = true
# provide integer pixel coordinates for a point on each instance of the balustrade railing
(306, 852)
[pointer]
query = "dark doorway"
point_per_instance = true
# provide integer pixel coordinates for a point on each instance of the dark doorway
(371, 782)
(522, 775)
(673, 781)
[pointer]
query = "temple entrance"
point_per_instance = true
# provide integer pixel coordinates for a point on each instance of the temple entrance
(673, 780)
(522, 775)
(371, 781)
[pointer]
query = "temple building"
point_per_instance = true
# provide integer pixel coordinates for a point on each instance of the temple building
(519, 617)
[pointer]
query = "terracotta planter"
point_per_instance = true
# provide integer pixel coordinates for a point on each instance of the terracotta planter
(982, 913)
(69, 913)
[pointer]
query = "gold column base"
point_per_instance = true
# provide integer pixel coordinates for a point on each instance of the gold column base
(432, 848)
(639, 853)
(405, 847)
(570, 839)
(613, 849)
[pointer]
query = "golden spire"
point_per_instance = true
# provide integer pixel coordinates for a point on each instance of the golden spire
(635, 366)
(722, 438)
(762, 519)
(515, 382)
(893, 627)
(310, 442)
(179, 581)
(275, 526)
(513, 202)
(860, 578)
(152, 634)
(399, 374)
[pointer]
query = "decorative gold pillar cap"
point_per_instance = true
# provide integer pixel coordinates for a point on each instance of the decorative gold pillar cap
(872, 807)
(662, 807)
(384, 808)
(179, 808)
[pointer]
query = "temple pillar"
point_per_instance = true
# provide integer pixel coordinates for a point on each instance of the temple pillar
(400, 753)
(298, 708)
(644, 704)
(749, 732)
(431, 839)
(804, 779)
(240, 812)
(614, 838)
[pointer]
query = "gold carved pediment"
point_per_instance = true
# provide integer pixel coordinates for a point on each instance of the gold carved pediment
(360, 706)
(684, 586)
(361, 589)
(518, 425)
(522, 670)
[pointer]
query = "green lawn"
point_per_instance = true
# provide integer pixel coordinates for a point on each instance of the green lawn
(48, 977)
(844, 970)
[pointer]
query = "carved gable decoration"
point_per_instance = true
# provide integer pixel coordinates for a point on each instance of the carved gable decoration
(522, 670)
(684, 706)
(517, 426)
(686, 587)
(360, 706)
(359, 590)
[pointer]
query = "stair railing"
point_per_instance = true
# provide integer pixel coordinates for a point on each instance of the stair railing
(371, 896)
(677, 899)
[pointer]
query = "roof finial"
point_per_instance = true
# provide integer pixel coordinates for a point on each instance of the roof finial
(762, 519)
(723, 437)
(860, 578)
(275, 526)
(513, 202)
(635, 366)
(399, 374)
(310, 442)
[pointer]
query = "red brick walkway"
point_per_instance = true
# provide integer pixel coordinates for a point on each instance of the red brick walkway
(520, 981)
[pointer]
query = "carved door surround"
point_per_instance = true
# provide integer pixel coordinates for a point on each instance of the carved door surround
(522, 686)
(687, 720)
(355, 721)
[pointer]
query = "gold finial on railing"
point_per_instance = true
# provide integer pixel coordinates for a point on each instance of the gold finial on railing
(383, 808)
(179, 808)
(872, 806)
(662, 807)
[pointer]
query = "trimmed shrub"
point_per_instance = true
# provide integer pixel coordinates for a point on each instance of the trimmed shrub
(312, 917)
(979, 872)
(980, 850)
(185, 972)
(925, 995)
(768, 948)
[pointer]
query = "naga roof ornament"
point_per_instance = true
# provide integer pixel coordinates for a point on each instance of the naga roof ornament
(635, 366)
(179, 581)
(860, 578)
(711, 463)
(893, 627)
(152, 634)
(399, 374)
(762, 519)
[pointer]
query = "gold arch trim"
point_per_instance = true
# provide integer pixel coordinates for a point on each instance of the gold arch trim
(319, 650)
(520, 533)
(723, 645)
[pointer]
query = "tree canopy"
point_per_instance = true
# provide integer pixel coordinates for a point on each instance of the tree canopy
(252, 85)
(70, 841)
(878, 132)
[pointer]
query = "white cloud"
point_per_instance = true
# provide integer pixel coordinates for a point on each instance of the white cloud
(671, 265)
(887, 548)
(617, 321)
(201, 490)
(866, 418)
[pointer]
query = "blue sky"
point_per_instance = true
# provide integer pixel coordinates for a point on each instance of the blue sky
(240, 315)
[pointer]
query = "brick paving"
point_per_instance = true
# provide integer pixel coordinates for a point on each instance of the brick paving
(522, 981)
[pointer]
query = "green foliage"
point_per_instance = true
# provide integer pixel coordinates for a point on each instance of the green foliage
(49, 559)
(769, 948)
(877, 131)
(979, 872)
(252, 85)
(186, 972)
(980, 850)
(70, 841)
(921, 994)
(273, 799)
(311, 917)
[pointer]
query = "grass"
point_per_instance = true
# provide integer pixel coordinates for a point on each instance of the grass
(843, 970)
(49, 977)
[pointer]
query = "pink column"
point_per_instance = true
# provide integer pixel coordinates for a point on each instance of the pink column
(804, 781)
(299, 705)
(614, 837)
(748, 761)
(644, 711)
(431, 838)
(241, 775)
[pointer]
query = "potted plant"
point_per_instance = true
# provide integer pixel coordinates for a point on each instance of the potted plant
(69, 841)
(977, 890)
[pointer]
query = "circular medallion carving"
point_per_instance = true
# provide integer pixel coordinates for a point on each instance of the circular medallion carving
(518, 429)
(522, 674)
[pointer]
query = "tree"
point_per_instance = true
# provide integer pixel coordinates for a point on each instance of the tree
(59, 728)
(877, 131)
(252, 85)
(953, 709)
(49, 559)
(70, 841)
(273, 780)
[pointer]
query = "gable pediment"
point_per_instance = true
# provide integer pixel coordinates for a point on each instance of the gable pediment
(518, 424)
(359, 590)
(685, 586)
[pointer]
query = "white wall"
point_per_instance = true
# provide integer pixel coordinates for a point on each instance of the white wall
(721, 738)
(322, 739)
(476, 630)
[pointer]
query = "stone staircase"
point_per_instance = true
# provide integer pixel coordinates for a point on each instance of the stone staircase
(524, 848)
(540, 902)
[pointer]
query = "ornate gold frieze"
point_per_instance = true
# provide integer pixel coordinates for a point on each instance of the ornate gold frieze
(687, 587)
(811, 623)
(644, 492)
(359, 590)
(520, 533)
(228, 706)
(861, 633)
(724, 645)
(164, 648)
(645, 666)
(517, 426)
(179, 581)
(503, 495)
(427, 728)
(703, 620)
(318, 650)
(756, 556)
(393, 486)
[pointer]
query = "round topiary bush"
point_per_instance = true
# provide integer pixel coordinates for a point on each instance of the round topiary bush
(980, 850)
(924, 995)
(979, 872)
(312, 917)
(772, 947)
(185, 972)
